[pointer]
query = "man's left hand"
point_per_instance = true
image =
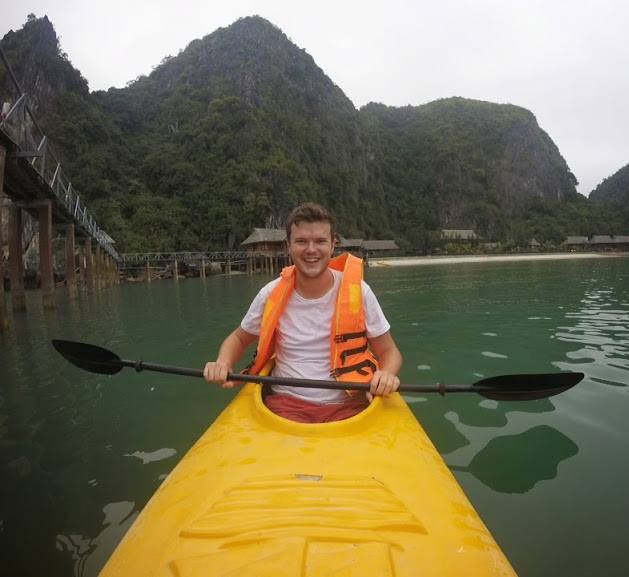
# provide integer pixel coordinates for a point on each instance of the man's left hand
(383, 384)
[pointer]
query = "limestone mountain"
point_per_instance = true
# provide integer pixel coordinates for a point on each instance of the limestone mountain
(464, 163)
(242, 124)
(612, 198)
(614, 190)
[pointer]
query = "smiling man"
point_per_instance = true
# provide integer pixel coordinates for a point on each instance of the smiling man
(318, 320)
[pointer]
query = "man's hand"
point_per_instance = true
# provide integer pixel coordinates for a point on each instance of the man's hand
(216, 372)
(383, 383)
(228, 355)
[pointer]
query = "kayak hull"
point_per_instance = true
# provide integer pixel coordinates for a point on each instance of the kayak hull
(259, 495)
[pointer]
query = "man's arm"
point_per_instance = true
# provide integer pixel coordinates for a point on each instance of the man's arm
(385, 380)
(229, 354)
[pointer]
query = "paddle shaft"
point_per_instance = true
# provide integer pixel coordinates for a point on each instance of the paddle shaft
(523, 387)
(306, 383)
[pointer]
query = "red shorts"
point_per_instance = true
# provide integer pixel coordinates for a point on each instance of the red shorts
(295, 409)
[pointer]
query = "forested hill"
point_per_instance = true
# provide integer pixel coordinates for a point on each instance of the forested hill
(457, 163)
(242, 124)
(614, 190)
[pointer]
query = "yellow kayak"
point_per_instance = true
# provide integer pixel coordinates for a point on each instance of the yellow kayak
(262, 496)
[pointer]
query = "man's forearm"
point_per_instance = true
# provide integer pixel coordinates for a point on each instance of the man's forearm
(233, 347)
(390, 360)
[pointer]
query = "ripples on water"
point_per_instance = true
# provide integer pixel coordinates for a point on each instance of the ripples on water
(602, 327)
(550, 475)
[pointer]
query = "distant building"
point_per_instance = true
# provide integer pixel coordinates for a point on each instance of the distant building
(534, 244)
(609, 242)
(379, 246)
(576, 242)
(599, 242)
(268, 241)
(349, 245)
(458, 234)
(272, 241)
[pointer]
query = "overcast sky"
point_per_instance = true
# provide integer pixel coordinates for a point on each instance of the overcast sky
(565, 60)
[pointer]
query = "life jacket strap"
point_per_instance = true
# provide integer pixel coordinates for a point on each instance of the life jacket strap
(350, 352)
(349, 336)
(358, 367)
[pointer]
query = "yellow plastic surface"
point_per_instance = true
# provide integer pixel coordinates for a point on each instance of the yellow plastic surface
(261, 496)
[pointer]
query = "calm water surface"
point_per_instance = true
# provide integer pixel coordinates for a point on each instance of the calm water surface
(80, 454)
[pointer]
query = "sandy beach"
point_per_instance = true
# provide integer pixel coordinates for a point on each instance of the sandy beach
(432, 260)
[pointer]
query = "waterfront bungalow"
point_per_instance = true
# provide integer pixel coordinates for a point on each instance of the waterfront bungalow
(266, 241)
(349, 245)
(378, 248)
(458, 234)
(598, 242)
(271, 243)
(576, 242)
(534, 244)
(602, 242)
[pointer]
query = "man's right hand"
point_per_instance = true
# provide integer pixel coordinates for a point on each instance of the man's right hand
(216, 372)
(228, 356)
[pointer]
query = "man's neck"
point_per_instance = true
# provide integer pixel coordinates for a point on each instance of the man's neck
(314, 288)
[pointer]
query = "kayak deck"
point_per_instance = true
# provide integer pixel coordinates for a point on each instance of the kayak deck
(259, 495)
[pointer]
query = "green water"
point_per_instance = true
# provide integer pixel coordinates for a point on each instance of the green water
(80, 454)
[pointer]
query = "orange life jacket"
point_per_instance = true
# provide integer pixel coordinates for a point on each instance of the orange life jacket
(350, 357)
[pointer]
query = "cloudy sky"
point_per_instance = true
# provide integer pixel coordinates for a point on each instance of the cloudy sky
(565, 60)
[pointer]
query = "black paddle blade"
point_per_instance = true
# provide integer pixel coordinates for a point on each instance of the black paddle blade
(526, 387)
(89, 357)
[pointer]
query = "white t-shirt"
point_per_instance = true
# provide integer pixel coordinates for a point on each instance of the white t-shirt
(302, 340)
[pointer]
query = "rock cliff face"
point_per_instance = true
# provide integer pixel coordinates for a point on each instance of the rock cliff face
(243, 124)
(532, 167)
(613, 191)
(42, 69)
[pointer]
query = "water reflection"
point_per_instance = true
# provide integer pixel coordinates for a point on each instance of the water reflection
(150, 457)
(90, 554)
(516, 463)
(601, 325)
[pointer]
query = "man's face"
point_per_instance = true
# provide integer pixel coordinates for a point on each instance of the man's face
(311, 247)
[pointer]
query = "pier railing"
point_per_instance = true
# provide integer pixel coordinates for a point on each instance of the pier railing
(19, 124)
(129, 259)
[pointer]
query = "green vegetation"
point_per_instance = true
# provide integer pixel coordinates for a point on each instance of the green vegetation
(241, 125)
(612, 197)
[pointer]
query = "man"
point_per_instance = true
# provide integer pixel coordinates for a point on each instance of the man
(319, 319)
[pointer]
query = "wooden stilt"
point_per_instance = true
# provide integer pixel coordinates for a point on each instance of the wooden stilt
(89, 263)
(45, 254)
(98, 267)
(70, 261)
(80, 277)
(4, 321)
(16, 262)
(115, 271)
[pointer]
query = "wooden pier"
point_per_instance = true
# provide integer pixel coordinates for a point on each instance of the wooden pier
(34, 183)
(148, 266)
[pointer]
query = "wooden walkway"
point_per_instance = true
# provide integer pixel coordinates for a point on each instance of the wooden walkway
(34, 181)
(149, 265)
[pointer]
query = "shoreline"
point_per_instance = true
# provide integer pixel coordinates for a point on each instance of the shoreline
(434, 260)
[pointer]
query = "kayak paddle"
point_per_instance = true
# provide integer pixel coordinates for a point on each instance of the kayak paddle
(523, 387)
